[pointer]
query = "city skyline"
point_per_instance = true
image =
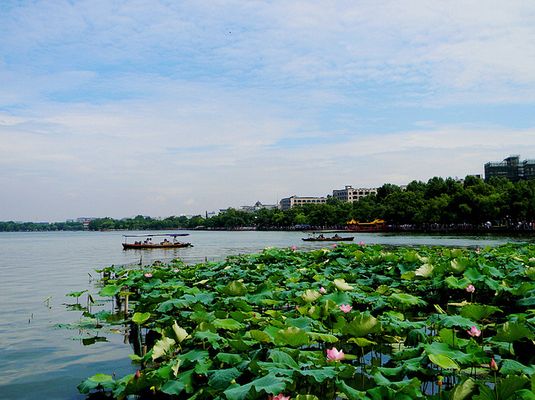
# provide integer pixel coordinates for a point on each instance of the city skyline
(156, 108)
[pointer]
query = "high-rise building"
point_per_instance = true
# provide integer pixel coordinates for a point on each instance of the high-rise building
(510, 168)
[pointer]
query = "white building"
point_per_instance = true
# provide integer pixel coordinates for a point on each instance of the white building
(350, 194)
(293, 201)
(258, 206)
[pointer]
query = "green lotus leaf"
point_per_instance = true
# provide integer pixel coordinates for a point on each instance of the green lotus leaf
(101, 378)
(473, 275)
(235, 288)
(211, 337)
(512, 331)
(227, 324)
(283, 359)
(380, 379)
(109, 290)
(228, 358)
(238, 392)
(459, 265)
(97, 381)
(448, 336)
(443, 361)
(508, 387)
(306, 397)
(270, 384)
(450, 321)
(140, 318)
(342, 285)
(406, 300)
(221, 379)
(361, 342)
(510, 367)
(76, 294)
(291, 336)
(362, 325)
(456, 283)
(408, 276)
(319, 375)
(525, 394)
(463, 390)
(173, 387)
(477, 312)
(260, 336)
(322, 337)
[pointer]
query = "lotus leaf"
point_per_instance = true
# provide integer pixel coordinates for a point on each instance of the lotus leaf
(342, 285)
(425, 271)
(161, 347)
(513, 331)
(443, 361)
(140, 318)
(292, 336)
(362, 325)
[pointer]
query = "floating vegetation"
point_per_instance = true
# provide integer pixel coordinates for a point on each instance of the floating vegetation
(348, 322)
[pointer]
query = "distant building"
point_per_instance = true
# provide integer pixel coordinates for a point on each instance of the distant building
(258, 206)
(293, 201)
(511, 168)
(85, 221)
(350, 194)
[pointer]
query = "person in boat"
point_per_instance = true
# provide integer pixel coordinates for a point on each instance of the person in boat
(336, 236)
(321, 236)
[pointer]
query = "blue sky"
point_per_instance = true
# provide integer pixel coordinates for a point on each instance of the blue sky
(118, 108)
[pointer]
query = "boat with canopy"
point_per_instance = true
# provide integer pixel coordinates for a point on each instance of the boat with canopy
(146, 241)
(335, 238)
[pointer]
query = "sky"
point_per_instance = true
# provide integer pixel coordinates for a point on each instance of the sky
(119, 108)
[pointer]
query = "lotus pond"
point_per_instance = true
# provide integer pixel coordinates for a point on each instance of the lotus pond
(345, 322)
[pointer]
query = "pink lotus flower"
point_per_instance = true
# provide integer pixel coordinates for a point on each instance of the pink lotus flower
(137, 375)
(334, 246)
(280, 396)
(474, 331)
(294, 248)
(346, 308)
(470, 289)
(323, 290)
(362, 243)
(335, 355)
(493, 365)
(148, 275)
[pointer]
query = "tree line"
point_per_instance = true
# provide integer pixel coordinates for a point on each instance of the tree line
(439, 204)
(11, 226)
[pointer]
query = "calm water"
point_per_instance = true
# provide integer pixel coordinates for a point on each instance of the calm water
(39, 360)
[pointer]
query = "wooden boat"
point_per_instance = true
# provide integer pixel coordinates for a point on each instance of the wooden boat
(334, 238)
(377, 225)
(148, 244)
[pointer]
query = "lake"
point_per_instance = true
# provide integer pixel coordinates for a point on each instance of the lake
(40, 360)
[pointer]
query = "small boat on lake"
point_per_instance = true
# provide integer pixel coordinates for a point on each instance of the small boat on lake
(147, 242)
(335, 238)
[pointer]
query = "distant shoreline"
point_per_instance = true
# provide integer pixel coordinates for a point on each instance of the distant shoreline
(498, 231)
